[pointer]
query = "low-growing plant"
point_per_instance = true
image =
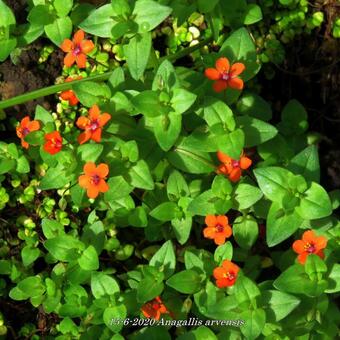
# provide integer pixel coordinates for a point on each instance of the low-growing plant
(160, 197)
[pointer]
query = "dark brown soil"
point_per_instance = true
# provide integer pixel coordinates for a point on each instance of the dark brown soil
(27, 75)
(19, 9)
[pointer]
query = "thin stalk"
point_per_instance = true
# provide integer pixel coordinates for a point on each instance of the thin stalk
(46, 91)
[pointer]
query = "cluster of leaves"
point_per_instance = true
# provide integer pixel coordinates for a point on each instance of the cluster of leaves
(91, 261)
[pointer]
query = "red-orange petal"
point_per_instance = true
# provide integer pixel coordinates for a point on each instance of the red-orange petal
(222, 220)
(219, 239)
(245, 163)
(79, 36)
(212, 74)
(210, 220)
(298, 246)
(235, 83)
(81, 60)
(84, 181)
(34, 125)
(209, 232)
(90, 168)
(24, 122)
(102, 170)
(24, 144)
(219, 273)
(94, 112)
(235, 175)
(103, 186)
(308, 236)
(87, 46)
(230, 267)
(222, 65)
(320, 242)
(69, 59)
(84, 137)
(302, 257)
(92, 191)
(103, 119)
(222, 157)
(67, 45)
(97, 135)
(220, 85)
(83, 122)
(236, 69)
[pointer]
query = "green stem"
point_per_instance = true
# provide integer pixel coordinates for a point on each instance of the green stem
(46, 91)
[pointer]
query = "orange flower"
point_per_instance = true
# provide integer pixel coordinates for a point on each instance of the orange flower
(225, 76)
(310, 244)
(217, 228)
(77, 49)
(226, 275)
(94, 179)
(154, 308)
(69, 95)
(232, 168)
(92, 125)
(54, 142)
(25, 127)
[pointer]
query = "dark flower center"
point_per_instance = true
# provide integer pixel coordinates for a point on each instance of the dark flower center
(156, 306)
(94, 125)
(77, 50)
(219, 228)
(310, 248)
(235, 164)
(25, 131)
(225, 76)
(95, 179)
(230, 276)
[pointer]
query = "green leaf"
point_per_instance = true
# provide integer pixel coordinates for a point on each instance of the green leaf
(273, 182)
(245, 290)
(223, 252)
(148, 289)
(234, 12)
(54, 178)
(64, 247)
(315, 203)
(190, 160)
(100, 22)
(294, 119)
(165, 259)
(137, 54)
(334, 279)
(192, 261)
(118, 312)
(6, 165)
(239, 47)
(182, 100)
(121, 7)
(232, 143)
(256, 131)
(28, 287)
(167, 128)
(205, 6)
(40, 15)
(23, 166)
(315, 267)
(6, 15)
(221, 187)
(281, 224)
(254, 325)
(118, 188)
(43, 115)
(103, 285)
(253, 15)
(140, 176)
(148, 14)
(52, 228)
(176, 186)
(253, 105)
(186, 282)
(147, 102)
(246, 195)
(295, 280)
(203, 204)
(278, 304)
(7, 46)
(306, 163)
(245, 231)
(63, 7)
(182, 228)
(29, 255)
(90, 152)
(165, 211)
(216, 112)
(59, 30)
(35, 138)
(165, 78)
(89, 259)
(90, 92)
